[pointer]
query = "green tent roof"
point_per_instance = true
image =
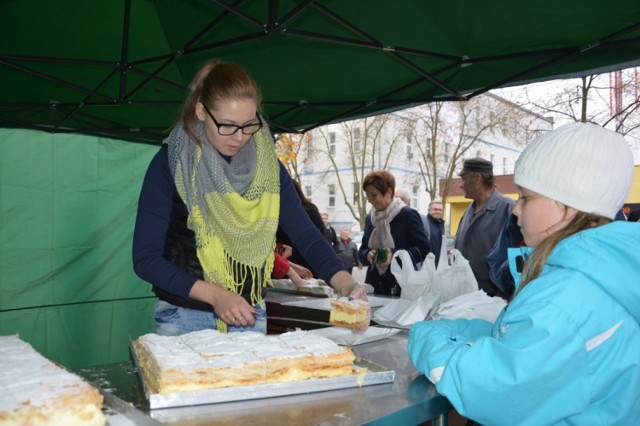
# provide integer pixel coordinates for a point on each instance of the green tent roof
(119, 68)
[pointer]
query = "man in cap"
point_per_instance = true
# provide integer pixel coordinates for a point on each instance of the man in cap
(483, 220)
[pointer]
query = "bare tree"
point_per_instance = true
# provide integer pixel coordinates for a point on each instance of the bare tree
(292, 150)
(446, 132)
(610, 100)
(365, 150)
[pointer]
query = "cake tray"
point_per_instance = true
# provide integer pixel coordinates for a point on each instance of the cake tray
(368, 374)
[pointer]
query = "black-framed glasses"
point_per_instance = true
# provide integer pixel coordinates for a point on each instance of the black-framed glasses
(230, 129)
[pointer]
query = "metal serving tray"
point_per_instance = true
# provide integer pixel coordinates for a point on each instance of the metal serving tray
(370, 374)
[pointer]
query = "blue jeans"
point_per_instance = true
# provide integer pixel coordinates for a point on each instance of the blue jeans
(173, 320)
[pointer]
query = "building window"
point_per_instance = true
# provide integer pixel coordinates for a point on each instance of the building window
(308, 192)
(414, 196)
(504, 165)
(332, 195)
(356, 139)
(332, 143)
(408, 146)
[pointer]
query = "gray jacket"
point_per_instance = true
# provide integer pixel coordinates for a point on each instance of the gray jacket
(477, 233)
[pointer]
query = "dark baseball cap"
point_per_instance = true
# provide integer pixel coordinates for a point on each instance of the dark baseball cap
(478, 165)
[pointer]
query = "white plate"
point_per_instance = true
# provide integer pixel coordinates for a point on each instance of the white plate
(345, 337)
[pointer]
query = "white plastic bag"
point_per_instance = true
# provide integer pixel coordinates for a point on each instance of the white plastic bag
(471, 305)
(454, 276)
(404, 313)
(415, 283)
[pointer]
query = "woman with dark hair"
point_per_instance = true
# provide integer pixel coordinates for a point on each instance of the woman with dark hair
(390, 226)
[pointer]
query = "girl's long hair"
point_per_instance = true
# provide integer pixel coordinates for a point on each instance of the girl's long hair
(534, 264)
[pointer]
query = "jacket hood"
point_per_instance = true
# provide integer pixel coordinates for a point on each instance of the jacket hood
(609, 255)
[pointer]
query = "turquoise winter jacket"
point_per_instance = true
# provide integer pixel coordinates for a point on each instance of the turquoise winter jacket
(566, 350)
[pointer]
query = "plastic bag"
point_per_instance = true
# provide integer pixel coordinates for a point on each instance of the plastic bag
(404, 313)
(415, 283)
(471, 305)
(454, 276)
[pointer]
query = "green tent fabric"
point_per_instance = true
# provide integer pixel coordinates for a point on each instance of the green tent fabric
(119, 68)
(67, 211)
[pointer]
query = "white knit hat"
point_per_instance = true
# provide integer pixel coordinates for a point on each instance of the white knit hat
(580, 165)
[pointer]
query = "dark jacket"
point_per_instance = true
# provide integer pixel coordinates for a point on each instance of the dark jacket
(408, 234)
(478, 233)
(164, 249)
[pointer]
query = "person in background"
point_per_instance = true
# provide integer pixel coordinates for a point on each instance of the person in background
(620, 215)
(329, 231)
(209, 206)
(295, 258)
(286, 252)
(390, 226)
(434, 227)
(283, 268)
(483, 220)
(348, 251)
(498, 261)
(404, 196)
(634, 216)
(566, 348)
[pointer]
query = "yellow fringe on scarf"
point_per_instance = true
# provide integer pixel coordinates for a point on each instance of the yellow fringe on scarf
(237, 245)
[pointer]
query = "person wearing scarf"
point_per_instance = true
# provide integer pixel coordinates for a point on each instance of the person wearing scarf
(209, 207)
(390, 226)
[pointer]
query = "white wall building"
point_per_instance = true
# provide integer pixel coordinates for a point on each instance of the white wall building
(338, 156)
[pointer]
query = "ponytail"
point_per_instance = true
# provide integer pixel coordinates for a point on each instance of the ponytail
(217, 81)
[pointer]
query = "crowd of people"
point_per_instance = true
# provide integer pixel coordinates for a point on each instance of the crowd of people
(219, 217)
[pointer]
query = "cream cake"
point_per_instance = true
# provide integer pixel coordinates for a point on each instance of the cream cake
(34, 391)
(208, 359)
(349, 313)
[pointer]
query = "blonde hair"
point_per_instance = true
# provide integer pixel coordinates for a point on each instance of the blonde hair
(215, 82)
(534, 264)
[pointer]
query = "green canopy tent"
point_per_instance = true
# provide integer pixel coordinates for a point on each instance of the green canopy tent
(119, 68)
(81, 80)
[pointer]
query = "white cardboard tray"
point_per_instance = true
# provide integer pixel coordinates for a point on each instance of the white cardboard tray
(346, 337)
(369, 374)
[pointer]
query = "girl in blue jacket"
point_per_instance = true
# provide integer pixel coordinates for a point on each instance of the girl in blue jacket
(566, 350)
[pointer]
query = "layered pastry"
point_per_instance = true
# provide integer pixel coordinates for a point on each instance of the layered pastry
(35, 391)
(349, 313)
(208, 359)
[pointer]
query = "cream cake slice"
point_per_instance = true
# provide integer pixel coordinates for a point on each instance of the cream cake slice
(36, 391)
(349, 313)
(208, 359)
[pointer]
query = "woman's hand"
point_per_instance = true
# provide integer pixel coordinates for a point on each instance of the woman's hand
(301, 270)
(371, 256)
(388, 260)
(229, 307)
(235, 310)
(343, 284)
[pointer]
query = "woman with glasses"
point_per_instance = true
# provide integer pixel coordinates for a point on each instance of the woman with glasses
(209, 207)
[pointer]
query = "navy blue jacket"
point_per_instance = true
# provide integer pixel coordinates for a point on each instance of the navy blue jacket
(408, 234)
(154, 219)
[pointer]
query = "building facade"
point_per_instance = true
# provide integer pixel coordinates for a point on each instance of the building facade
(419, 145)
